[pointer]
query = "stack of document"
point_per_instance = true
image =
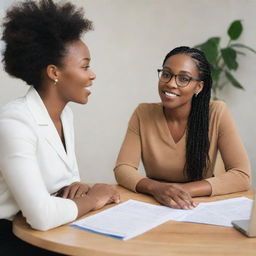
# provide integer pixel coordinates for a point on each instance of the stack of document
(131, 218)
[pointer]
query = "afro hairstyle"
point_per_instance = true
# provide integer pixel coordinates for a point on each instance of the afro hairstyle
(36, 33)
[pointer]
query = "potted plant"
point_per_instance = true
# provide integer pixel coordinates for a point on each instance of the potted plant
(224, 60)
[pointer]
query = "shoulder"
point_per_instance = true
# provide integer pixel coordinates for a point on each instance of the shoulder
(16, 108)
(15, 116)
(145, 109)
(217, 107)
(144, 115)
(219, 115)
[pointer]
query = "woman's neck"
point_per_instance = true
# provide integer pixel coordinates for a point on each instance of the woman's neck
(52, 103)
(179, 114)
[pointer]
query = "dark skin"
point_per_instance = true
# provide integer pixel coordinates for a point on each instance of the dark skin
(71, 82)
(177, 106)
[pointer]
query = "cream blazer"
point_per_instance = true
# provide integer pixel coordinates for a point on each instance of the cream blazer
(34, 163)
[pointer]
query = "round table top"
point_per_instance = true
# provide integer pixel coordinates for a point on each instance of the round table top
(170, 238)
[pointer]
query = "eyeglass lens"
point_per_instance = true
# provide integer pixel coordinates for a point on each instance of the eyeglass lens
(181, 80)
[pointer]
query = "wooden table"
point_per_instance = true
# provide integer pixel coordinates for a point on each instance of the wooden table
(171, 238)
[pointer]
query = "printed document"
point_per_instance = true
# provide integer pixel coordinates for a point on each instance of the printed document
(221, 212)
(126, 220)
(132, 218)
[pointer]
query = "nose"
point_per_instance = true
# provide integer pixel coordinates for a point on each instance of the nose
(92, 75)
(172, 82)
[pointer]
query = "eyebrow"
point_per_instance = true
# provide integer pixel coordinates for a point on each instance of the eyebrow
(182, 71)
(88, 59)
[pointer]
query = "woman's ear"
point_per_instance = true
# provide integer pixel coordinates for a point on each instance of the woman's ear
(199, 87)
(52, 72)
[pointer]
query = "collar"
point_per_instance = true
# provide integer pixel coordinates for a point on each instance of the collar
(37, 107)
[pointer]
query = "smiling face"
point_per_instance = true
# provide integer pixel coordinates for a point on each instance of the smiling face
(173, 96)
(75, 77)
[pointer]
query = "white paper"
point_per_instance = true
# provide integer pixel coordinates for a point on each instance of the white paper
(132, 217)
(127, 219)
(221, 212)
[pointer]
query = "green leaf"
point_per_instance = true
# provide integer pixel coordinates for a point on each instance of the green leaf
(198, 46)
(210, 49)
(229, 57)
(215, 73)
(243, 46)
(233, 81)
(221, 86)
(235, 29)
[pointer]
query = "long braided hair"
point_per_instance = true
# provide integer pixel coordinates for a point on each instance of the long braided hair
(197, 142)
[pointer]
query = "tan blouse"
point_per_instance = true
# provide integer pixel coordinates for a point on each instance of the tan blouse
(148, 139)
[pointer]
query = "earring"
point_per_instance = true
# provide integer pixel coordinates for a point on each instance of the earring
(55, 81)
(196, 94)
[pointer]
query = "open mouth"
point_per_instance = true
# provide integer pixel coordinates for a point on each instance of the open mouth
(88, 88)
(171, 94)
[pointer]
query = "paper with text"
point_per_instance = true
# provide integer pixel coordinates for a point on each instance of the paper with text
(127, 219)
(221, 212)
(132, 217)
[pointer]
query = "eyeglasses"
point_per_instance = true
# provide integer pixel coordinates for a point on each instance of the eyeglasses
(181, 80)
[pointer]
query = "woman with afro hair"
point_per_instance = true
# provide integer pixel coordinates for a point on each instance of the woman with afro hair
(38, 170)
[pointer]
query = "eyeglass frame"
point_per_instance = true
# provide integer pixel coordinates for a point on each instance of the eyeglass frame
(175, 77)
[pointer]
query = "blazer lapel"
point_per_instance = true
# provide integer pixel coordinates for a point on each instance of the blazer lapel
(68, 134)
(51, 135)
(45, 124)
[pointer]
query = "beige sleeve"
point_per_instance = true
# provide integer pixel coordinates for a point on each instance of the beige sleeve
(126, 169)
(238, 173)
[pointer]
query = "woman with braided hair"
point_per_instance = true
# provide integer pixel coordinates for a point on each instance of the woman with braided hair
(178, 139)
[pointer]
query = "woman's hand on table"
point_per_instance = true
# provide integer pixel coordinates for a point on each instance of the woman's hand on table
(102, 194)
(89, 198)
(74, 190)
(173, 195)
(168, 194)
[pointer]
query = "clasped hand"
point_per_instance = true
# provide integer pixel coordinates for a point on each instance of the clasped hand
(100, 194)
(74, 190)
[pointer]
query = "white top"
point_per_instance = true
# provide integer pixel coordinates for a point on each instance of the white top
(34, 163)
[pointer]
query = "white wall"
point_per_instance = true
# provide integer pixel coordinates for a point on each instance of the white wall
(129, 43)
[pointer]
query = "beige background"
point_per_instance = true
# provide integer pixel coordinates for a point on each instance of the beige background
(128, 44)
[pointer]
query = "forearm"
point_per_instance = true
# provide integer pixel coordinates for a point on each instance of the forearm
(229, 182)
(198, 188)
(128, 160)
(146, 186)
(237, 175)
(84, 205)
(128, 176)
